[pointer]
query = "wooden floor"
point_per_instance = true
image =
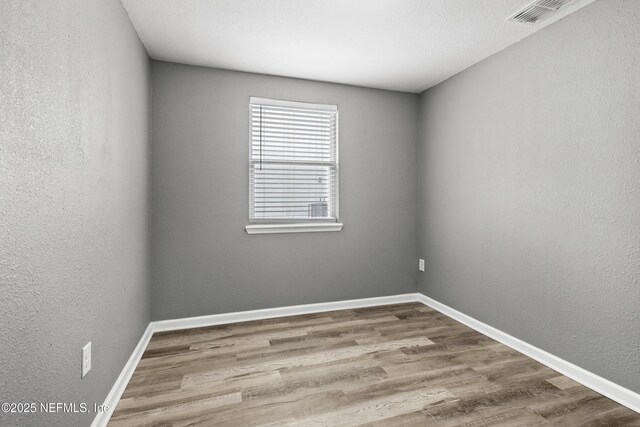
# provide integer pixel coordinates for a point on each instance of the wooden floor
(400, 365)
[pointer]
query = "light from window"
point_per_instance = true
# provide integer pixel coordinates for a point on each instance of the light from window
(293, 161)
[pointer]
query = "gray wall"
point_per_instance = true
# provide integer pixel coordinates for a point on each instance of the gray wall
(530, 190)
(74, 125)
(203, 262)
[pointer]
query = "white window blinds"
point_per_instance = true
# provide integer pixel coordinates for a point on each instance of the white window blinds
(293, 161)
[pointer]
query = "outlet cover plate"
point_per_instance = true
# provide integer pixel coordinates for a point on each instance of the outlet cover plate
(86, 359)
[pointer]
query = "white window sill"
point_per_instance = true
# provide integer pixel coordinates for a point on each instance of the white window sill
(293, 228)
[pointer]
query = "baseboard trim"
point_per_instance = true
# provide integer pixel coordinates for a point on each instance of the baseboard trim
(601, 385)
(102, 418)
(270, 313)
(613, 391)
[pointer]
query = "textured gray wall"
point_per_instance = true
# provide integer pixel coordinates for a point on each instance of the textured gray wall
(530, 190)
(74, 125)
(203, 262)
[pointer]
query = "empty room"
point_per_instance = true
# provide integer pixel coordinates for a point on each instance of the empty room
(319, 213)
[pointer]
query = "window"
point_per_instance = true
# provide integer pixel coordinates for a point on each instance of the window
(293, 167)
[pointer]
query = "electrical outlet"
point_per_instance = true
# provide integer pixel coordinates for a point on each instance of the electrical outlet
(421, 264)
(86, 359)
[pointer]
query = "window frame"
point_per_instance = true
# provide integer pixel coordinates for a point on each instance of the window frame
(292, 225)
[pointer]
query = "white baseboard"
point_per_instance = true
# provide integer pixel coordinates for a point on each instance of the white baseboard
(102, 418)
(269, 313)
(613, 391)
(601, 385)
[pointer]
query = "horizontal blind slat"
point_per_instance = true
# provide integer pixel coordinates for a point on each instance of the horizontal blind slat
(295, 151)
(291, 139)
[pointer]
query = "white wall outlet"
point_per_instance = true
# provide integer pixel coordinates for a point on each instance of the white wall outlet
(421, 264)
(86, 359)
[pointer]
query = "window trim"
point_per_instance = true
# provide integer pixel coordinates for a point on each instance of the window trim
(297, 225)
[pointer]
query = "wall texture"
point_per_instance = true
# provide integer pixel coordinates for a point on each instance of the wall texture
(529, 181)
(203, 262)
(74, 125)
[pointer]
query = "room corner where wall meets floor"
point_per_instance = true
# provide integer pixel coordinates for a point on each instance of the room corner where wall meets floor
(530, 190)
(316, 339)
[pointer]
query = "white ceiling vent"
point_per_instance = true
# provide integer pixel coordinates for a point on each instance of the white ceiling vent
(538, 10)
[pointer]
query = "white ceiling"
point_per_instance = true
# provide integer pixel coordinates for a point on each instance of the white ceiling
(406, 45)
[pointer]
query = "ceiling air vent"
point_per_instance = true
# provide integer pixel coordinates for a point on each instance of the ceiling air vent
(538, 10)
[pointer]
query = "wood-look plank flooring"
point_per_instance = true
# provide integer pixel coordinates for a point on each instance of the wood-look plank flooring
(398, 365)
